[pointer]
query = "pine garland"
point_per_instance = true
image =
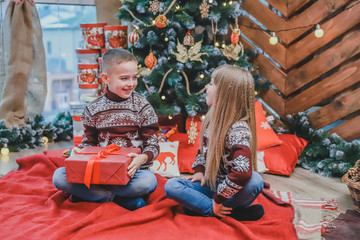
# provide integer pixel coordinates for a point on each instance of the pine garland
(326, 154)
(30, 136)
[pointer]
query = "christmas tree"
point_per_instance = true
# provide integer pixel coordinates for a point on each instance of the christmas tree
(178, 45)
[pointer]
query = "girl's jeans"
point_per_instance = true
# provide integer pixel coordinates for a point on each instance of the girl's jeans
(199, 198)
(143, 183)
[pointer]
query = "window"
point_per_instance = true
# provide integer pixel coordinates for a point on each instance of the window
(60, 23)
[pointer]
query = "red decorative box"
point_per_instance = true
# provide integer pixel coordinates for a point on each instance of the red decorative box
(99, 165)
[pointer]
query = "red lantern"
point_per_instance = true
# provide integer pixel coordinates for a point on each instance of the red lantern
(161, 21)
(235, 36)
(150, 61)
(133, 37)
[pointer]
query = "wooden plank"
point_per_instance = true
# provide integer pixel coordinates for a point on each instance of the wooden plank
(261, 39)
(342, 79)
(332, 28)
(294, 5)
(337, 109)
(312, 15)
(275, 101)
(349, 130)
(271, 72)
(266, 16)
(280, 5)
(324, 62)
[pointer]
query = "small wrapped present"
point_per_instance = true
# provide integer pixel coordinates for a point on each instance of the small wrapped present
(99, 165)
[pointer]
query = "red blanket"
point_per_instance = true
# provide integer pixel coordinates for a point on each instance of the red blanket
(32, 208)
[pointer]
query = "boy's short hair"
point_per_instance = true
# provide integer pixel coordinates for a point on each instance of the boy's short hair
(116, 56)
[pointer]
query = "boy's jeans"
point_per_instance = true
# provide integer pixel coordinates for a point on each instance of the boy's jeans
(143, 183)
(199, 199)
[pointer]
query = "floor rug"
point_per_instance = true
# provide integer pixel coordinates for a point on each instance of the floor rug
(32, 208)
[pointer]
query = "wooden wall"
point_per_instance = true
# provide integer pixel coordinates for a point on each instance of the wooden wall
(308, 72)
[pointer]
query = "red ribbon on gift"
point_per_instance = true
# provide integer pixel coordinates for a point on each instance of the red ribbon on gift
(93, 165)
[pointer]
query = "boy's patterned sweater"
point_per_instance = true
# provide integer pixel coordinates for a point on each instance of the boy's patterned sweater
(235, 166)
(130, 122)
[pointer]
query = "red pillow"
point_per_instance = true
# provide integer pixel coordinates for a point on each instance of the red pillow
(266, 137)
(187, 152)
(282, 159)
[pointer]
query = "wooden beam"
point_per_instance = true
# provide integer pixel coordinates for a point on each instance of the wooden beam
(294, 5)
(332, 28)
(342, 79)
(349, 130)
(337, 109)
(324, 62)
(261, 39)
(271, 72)
(275, 101)
(314, 14)
(266, 16)
(280, 5)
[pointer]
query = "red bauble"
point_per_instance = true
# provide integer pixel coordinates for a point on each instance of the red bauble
(133, 37)
(150, 61)
(161, 21)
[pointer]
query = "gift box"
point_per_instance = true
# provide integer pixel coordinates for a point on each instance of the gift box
(99, 165)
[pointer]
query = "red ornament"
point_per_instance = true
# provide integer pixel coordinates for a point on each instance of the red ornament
(133, 37)
(161, 21)
(235, 36)
(150, 61)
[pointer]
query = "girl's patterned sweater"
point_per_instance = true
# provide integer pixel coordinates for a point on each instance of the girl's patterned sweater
(235, 166)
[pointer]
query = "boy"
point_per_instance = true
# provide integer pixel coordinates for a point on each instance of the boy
(125, 118)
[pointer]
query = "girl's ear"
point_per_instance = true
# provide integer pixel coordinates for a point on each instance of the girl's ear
(104, 78)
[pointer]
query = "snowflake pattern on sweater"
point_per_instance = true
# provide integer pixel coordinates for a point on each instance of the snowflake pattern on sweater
(130, 122)
(236, 169)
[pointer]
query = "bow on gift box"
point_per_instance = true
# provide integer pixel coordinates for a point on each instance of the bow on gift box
(111, 149)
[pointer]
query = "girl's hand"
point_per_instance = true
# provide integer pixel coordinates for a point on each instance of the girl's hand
(197, 177)
(220, 210)
(137, 161)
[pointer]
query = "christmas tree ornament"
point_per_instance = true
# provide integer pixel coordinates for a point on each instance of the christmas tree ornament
(133, 37)
(233, 51)
(44, 140)
(161, 21)
(150, 61)
(192, 132)
(192, 54)
(235, 36)
(188, 39)
(155, 6)
(204, 9)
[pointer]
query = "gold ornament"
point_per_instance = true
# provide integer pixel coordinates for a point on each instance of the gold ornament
(232, 51)
(161, 21)
(192, 132)
(155, 6)
(191, 54)
(204, 9)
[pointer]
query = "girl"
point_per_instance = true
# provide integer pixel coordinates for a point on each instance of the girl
(224, 183)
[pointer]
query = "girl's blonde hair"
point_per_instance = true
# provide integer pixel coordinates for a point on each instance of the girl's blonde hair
(234, 101)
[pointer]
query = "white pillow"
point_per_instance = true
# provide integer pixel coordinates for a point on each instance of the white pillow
(261, 168)
(166, 163)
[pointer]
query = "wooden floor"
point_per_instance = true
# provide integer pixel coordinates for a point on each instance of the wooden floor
(302, 182)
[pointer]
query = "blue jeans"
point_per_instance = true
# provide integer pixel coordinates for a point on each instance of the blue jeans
(199, 198)
(143, 183)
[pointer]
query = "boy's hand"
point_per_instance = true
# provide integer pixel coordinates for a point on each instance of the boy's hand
(220, 210)
(137, 161)
(197, 177)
